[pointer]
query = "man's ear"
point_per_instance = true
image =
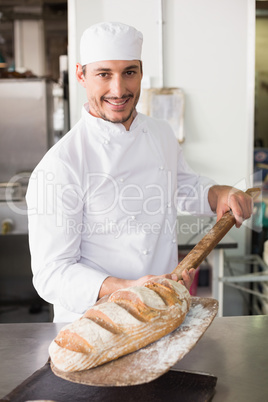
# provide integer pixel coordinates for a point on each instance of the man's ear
(79, 74)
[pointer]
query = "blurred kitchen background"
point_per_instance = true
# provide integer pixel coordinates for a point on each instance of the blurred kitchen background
(34, 114)
(215, 55)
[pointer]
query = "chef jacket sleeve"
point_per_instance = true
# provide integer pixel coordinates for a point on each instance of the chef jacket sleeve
(55, 201)
(192, 190)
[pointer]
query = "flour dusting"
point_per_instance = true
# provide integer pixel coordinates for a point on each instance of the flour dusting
(173, 347)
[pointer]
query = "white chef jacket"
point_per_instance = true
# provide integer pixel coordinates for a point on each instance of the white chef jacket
(103, 202)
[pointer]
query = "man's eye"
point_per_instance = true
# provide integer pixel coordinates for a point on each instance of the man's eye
(130, 73)
(103, 75)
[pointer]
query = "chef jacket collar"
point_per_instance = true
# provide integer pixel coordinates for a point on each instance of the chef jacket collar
(117, 128)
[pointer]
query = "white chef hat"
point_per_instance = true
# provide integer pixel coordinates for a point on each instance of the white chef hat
(110, 41)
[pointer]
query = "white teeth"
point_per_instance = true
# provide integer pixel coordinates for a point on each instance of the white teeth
(116, 104)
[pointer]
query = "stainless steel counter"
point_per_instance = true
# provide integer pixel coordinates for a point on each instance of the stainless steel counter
(234, 349)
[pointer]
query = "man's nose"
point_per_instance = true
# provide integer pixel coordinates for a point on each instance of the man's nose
(117, 88)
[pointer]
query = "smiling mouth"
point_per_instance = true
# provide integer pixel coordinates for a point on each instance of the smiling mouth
(118, 102)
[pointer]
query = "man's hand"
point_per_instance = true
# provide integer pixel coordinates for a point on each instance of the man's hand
(224, 198)
(111, 284)
(187, 278)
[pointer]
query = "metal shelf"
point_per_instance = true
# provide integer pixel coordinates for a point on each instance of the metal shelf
(258, 275)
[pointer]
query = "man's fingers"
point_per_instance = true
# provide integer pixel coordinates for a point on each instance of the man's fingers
(221, 210)
(192, 273)
(241, 205)
(187, 277)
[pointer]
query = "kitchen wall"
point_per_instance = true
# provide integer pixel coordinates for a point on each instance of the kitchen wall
(209, 52)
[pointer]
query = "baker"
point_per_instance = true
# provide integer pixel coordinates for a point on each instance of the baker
(102, 203)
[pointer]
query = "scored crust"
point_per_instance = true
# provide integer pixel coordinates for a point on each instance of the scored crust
(126, 321)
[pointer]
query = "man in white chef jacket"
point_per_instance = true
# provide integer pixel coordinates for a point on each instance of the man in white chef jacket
(102, 203)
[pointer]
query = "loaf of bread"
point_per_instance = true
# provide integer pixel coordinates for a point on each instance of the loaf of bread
(119, 324)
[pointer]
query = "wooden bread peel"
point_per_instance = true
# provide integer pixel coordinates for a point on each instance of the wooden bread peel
(202, 249)
(150, 362)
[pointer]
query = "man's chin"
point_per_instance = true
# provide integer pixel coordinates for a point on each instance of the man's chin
(118, 119)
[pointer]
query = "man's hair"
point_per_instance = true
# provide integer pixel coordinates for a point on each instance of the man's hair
(84, 68)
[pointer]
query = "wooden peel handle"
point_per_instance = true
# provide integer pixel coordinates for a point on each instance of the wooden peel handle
(197, 255)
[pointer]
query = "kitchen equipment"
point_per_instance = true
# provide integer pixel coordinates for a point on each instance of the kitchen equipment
(174, 386)
(26, 133)
(26, 124)
(157, 358)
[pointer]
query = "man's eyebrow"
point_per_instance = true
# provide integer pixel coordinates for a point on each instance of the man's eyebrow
(132, 67)
(106, 70)
(102, 69)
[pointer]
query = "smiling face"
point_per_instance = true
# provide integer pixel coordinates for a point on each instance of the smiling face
(113, 89)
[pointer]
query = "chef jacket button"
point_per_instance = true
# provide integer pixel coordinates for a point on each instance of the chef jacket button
(169, 205)
(122, 180)
(50, 176)
(174, 241)
(145, 252)
(133, 217)
(106, 142)
(145, 130)
(161, 167)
